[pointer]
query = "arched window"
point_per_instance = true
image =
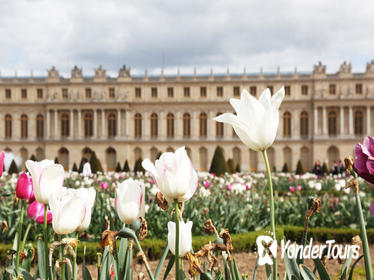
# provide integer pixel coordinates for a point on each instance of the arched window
(253, 160)
(287, 157)
(138, 125)
(24, 155)
(332, 123)
(86, 153)
(203, 153)
(24, 128)
(332, 155)
(189, 152)
(63, 158)
(305, 158)
(112, 125)
(186, 125)
(154, 153)
(111, 159)
(39, 126)
(65, 127)
(40, 155)
(203, 119)
(287, 124)
(359, 119)
(154, 125)
(88, 124)
(219, 128)
(170, 125)
(8, 126)
(304, 124)
(237, 157)
(138, 153)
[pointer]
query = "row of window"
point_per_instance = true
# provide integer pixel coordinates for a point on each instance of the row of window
(186, 91)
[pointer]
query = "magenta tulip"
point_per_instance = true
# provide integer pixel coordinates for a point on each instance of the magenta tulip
(229, 187)
(364, 161)
(25, 188)
(104, 185)
(206, 184)
(299, 188)
(292, 189)
(36, 212)
(2, 157)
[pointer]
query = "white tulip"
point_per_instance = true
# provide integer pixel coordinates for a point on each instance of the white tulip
(47, 178)
(174, 175)
(88, 196)
(185, 237)
(256, 121)
(129, 201)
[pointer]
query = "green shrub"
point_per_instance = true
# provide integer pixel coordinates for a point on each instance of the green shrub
(299, 168)
(158, 155)
(218, 165)
(230, 166)
(237, 168)
(56, 160)
(75, 168)
(138, 166)
(13, 169)
(80, 170)
(33, 157)
(285, 168)
(126, 167)
(118, 167)
(95, 163)
(325, 169)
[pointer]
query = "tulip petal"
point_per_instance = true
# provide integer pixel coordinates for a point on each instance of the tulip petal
(150, 167)
(361, 158)
(265, 99)
(278, 97)
(369, 146)
(51, 180)
(235, 103)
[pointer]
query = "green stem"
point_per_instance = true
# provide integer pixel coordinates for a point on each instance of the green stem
(75, 259)
(25, 236)
(20, 225)
(61, 257)
(176, 240)
(46, 240)
(272, 211)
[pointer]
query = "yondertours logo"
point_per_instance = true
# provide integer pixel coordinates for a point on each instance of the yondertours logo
(267, 250)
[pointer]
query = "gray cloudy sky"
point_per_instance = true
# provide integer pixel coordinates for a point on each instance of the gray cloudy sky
(37, 34)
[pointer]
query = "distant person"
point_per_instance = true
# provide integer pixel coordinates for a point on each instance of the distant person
(317, 169)
(335, 168)
(341, 168)
(86, 168)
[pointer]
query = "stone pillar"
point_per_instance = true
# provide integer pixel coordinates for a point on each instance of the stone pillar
(71, 124)
(368, 120)
(48, 124)
(119, 123)
(341, 120)
(79, 123)
(127, 122)
(324, 126)
(56, 123)
(162, 133)
(178, 125)
(196, 125)
(315, 121)
(350, 115)
(95, 124)
(211, 125)
(102, 123)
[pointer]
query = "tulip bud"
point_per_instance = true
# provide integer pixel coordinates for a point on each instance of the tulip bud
(35, 211)
(104, 185)
(24, 189)
(299, 188)
(185, 237)
(292, 189)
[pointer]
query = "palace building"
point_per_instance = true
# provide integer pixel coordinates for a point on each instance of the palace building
(129, 117)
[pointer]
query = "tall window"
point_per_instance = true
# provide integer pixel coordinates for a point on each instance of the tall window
(39, 93)
(332, 89)
(112, 93)
(154, 125)
(287, 124)
(359, 119)
(253, 90)
(304, 90)
(220, 91)
(65, 125)
(138, 92)
(304, 124)
(203, 119)
(186, 125)
(8, 126)
(88, 125)
(236, 91)
(138, 125)
(39, 126)
(154, 92)
(65, 93)
(24, 93)
(88, 93)
(219, 128)
(112, 125)
(170, 125)
(287, 90)
(358, 88)
(332, 123)
(186, 91)
(8, 93)
(24, 132)
(202, 91)
(170, 92)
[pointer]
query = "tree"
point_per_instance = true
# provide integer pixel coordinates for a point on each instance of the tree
(285, 168)
(238, 169)
(218, 165)
(83, 160)
(118, 167)
(325, 169)
(95, 164)
(13, 168)
(33, 157)
(299, 168)
(126, 167)
(158, 155)
(138, 166)
(230, 165)
(56, 160)
(75, 168)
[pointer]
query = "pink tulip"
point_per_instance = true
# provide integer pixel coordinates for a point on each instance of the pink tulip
(104, 185)
(2, 156)
(36, 212)
(229, 187)
(247, 187)
(299, 188)
(292, 189)
(206, 184)
(336, 201)
(25, 188)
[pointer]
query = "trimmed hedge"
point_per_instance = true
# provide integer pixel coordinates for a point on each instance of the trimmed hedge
(242, 242)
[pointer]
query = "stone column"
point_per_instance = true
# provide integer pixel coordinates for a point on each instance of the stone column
(368, 120)
(95, 124)
(211, 125)
(127, 123)
(48, 124)
(102, 123)
(71, 124)
(324, 126)
(350, 120)
(341, 120)
(56, 123)
(119, 123)
(196, 125)
(79, 123)
(315, 121)
(162, 133)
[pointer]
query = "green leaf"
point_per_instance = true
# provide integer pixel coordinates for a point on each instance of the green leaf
(321, 269)
(255, 270)
(306, 273)
(268, 271)
(41, 259)
(353, 267)
(161, 262)
(291, 267)
(346, 265)
(105, 268)
(86, 275)
(170, 266)
(206, 276)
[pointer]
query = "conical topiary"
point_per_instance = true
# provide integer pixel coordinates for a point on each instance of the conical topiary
(56, 160)
(238, 169)
(158, 155)
(126, 167)
(325, 169)
(118, 167)
(218, 165)
(230, 166)
(285, 168)
(83, 160)
(13, 168)
(138, 166)
(75, 168)
(33, 157)
(299, 168)
(95, 164)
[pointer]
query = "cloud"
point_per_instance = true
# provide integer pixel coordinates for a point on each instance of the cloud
(185, 34)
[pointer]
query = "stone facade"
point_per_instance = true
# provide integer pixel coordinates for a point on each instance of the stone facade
(129, 117)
